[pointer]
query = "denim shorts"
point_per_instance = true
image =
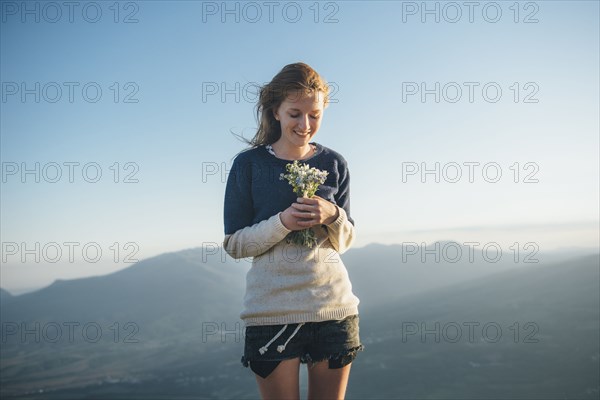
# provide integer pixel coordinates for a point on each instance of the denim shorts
(266, 346)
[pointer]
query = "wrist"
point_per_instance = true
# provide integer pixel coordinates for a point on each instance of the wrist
(282, 221)
(334, 217)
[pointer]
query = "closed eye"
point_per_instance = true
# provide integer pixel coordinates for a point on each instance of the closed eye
(312, 116)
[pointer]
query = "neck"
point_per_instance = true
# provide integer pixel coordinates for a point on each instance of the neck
(292, 152)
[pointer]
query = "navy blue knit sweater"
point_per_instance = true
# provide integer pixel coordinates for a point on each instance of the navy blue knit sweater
(254, 191)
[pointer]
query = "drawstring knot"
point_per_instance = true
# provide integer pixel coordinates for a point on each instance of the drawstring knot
(281, 347)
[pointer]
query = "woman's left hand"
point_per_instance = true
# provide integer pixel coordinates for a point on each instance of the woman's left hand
(316, 210)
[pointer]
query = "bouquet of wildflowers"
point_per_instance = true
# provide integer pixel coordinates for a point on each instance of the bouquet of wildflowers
(305, 182)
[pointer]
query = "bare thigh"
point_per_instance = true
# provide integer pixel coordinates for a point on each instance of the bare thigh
(283, 382)
(325, 383)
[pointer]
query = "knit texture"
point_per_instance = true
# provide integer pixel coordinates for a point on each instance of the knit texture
(288, 283)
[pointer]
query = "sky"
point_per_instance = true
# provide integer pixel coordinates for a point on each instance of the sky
(464, 123)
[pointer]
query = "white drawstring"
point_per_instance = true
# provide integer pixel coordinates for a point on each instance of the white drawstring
(265, 347)
(281, 347)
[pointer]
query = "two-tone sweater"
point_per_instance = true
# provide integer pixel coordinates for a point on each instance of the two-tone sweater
(288, 283)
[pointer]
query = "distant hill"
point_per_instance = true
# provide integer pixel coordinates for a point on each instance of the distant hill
(5, 295)
(122, 324)
(405, 273)
(541, 340)
(176, 286)
(185, 307)
(382, 273)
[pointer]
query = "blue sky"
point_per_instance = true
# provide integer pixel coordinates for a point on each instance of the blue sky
(174, 134)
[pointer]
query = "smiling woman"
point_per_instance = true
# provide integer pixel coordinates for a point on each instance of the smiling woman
(299, 306)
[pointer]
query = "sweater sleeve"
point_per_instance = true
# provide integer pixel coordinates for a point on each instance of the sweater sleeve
(341, 231)
(238, 210)
(254, 240)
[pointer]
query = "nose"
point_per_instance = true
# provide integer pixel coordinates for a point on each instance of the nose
(303, 124)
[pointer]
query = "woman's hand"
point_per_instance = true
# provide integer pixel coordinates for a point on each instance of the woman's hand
(308, 212)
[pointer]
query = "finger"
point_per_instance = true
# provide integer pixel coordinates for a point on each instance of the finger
(305, 207)
(307, 216)
(306, 200)
(299, 206)
(302, 214)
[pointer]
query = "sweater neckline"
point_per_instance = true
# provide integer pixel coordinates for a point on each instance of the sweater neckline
(318, 150)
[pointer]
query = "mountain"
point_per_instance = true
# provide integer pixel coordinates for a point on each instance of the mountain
(5, 295)
(185, 340)
(383, 273)
(527, 333)
(147, 293)
(166, 311)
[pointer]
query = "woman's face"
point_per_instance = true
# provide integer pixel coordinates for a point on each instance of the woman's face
(300, 117)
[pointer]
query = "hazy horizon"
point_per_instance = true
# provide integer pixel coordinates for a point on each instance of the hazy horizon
(19, 281)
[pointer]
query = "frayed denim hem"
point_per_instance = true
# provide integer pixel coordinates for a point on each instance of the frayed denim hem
(342, 358)
(345, 357)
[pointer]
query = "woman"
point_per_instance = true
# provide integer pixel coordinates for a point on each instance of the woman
(299, 306)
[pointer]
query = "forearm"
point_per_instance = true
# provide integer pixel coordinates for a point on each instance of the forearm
(254, 240)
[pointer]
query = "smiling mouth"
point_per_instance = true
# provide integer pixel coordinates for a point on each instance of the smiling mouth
(302, 134)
